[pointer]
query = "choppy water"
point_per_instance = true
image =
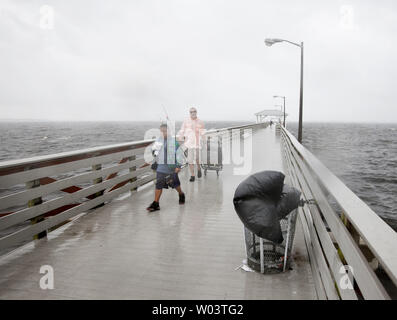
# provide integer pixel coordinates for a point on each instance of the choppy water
(363, 156)
(27, 139)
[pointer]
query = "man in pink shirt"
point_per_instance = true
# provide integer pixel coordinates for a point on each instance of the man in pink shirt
(192, 131)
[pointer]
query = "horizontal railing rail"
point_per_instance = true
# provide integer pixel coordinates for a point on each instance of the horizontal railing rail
(253, 125)
(344, 245)
(43, 192)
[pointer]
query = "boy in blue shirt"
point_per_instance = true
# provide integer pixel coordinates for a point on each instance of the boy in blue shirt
(167, 168)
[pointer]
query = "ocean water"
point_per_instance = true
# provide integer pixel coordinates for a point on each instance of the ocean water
(24, 139)
(363, 156)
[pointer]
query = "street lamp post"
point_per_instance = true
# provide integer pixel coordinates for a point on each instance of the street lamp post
(269, 42)
(283, 108)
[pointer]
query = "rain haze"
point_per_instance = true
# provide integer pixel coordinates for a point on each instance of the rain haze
(102, 198)
(125, 60)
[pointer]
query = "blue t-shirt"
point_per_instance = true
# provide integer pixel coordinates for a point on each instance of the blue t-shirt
(167, 157)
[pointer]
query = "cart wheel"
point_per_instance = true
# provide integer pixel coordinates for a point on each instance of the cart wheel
(205, 172)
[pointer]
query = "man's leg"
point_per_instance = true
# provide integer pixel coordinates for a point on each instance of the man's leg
(157, 194)
(190, 159)
(198, 163)
(179, 189)
(191, 167)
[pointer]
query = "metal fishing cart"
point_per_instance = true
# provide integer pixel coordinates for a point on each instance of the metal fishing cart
(211, 154)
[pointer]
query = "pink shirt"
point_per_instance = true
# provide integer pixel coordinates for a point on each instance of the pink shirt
(192, 131)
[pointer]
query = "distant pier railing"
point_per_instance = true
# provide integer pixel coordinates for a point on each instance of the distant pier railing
(356, 240)
(49, 190)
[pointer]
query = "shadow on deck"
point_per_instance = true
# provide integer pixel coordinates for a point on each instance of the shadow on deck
(120, 251)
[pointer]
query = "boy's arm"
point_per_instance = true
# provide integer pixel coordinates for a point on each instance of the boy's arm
(154, 152)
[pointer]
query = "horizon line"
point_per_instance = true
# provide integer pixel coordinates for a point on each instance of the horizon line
(177, 120)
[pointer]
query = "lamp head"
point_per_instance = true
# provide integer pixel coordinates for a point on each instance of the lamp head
(269, 41)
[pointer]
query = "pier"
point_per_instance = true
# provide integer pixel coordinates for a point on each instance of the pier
(103, 244)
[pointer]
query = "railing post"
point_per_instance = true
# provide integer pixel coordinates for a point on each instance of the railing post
(363, 247)
(35, 202)
(132, 169)
(208, 150)
(242, 142)
(96, 181)
(231, 145)
(220, 160)
(352, 230)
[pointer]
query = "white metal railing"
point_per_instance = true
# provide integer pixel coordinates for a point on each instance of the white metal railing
(49, 190)
(247, 126)
(336, 244)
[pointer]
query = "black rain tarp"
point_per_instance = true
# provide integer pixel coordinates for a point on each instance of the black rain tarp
(262, 200)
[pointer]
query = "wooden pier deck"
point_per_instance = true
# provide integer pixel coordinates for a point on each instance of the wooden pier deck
(120, 251)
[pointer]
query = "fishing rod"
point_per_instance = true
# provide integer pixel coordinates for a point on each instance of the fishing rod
(183, 148)
(156, 146)
(166, 114)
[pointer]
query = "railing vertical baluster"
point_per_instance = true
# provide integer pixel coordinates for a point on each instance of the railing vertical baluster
(208, 150)
(96, 181)
(132, 169)
(352, 230)
(231, 145)
(35, 202)
(220, 160)
(241, 142)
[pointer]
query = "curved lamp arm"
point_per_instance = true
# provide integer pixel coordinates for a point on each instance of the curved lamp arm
(269, 42)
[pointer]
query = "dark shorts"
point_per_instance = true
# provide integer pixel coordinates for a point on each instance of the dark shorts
(162, 178)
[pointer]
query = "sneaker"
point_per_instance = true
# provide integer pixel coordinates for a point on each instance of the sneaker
(153, 207)
(192, 179)
(182, 198)
(199, 174)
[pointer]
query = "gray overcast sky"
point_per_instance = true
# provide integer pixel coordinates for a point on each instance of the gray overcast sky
(123, 60)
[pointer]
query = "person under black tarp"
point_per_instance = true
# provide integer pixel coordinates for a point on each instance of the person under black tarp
(167, 168)
(262, 200)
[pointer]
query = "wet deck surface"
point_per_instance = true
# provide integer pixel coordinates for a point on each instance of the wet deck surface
(121, 251)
